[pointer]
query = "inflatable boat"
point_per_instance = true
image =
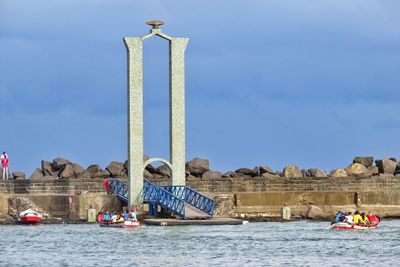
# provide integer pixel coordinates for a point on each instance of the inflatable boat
(126, 224)
(29, 217)
(347, 226)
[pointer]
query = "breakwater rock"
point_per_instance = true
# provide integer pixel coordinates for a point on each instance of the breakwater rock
(196, 168)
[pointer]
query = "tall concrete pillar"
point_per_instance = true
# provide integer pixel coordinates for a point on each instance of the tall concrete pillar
(177, 109)
(176, 162)
(135, 119)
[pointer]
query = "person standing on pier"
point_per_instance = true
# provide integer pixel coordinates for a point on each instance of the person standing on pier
(4, 164)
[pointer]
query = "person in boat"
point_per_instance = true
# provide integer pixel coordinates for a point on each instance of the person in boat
(357, 219)
(132, 215)
(364, 217)
(373, 219)
(349, 217)
(118, 218)
(339, 217)
(107, 217)
(100, 217)
(126, 215)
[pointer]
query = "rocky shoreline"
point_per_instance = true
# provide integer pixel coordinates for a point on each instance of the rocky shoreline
(60, 168)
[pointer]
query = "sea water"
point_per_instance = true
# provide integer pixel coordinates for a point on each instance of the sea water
(301, 243)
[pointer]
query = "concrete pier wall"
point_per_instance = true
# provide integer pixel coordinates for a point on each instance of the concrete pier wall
(251, 196)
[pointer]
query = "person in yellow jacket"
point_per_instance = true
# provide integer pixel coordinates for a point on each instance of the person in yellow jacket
(357, 219)
(365, 220)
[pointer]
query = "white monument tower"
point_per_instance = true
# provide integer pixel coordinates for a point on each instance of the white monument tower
(176, 161)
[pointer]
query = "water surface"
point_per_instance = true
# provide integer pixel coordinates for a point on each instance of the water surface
(257, 244)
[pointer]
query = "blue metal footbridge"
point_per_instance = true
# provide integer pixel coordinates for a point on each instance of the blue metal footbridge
(179, 200)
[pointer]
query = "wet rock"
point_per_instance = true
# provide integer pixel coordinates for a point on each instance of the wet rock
(366, 161)
(358, 170)
(338, 173)
(37, 174)
(211, 175)
(247, 171)
(60, 163)
(317, 173)
(67, 172)
(386, 166)
(18, 175)
(197, 166)
(292, 171)
(315, 213)
(94, 168)
(393, 159)
(115, 168)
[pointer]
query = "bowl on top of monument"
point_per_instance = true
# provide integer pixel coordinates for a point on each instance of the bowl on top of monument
(155, 23)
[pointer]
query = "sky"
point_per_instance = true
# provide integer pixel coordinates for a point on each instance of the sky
(268, 82)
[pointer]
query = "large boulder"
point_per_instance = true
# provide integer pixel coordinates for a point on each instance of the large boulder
(60, 163)
(78, 169)
(338, 173)
(37, 174)
(374, 170)
(397, 171)
(314, 172)
(93, 168)
(197, 166)
(115, 168)
(292, 171)
(315, 213)
(67, 172)
(47, 168)
(386, 166)
(85, 175)
(164, 170)
(18, 175)
(358, 170)
(211, 175)
(247, 171)
(366, 161)
(231, 174)
(265, 169)
(147, 174)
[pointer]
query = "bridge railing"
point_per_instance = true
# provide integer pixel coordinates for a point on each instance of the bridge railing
(170, 202)
(193, 198)
(151, 194)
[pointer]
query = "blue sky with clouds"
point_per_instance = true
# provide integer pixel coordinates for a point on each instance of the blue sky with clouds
(276, 82)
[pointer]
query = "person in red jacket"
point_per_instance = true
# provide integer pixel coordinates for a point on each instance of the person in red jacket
(373, 219)
(106, 184)
(4, 164)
